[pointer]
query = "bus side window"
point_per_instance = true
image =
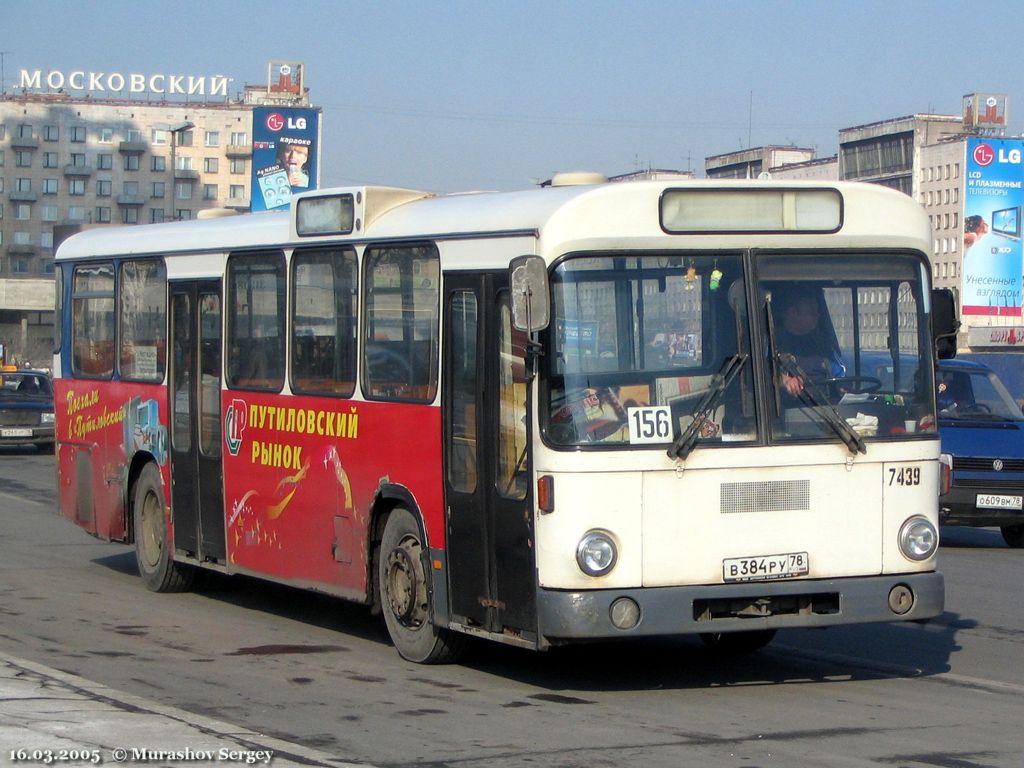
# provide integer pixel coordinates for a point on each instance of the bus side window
(256, 320)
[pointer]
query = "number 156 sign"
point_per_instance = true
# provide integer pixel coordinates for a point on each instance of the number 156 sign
(650, 424)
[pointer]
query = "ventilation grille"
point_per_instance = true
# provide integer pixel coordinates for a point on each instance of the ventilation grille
(766, 496)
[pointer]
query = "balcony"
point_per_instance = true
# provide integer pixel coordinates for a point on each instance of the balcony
(187, 174)
(131, 200)
(21, 197)
(19, 142)
(132, 147)
(238, 203)
(78, 170)
(239, 150)
(22, 249)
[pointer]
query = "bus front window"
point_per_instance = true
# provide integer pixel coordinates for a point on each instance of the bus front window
(646, 332)
(845, 339)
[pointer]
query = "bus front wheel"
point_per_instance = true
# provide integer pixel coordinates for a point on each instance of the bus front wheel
(405, 597)
(152, 553)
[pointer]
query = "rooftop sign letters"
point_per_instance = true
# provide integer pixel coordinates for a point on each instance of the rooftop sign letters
(107, 82)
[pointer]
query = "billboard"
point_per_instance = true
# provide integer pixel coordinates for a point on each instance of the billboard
(285, 155)
(993, 196)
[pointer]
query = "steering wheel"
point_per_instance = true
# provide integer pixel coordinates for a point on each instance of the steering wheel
(854, 384)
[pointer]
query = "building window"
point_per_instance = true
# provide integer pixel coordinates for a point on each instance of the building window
(23, 185)
(158, 136)
(130, 215)
(49, 186)
(182, 214)
(156, 215)
(237, 166)
(210, 165)
(183, 190)
(134, 136)
(185, 139)
(157, 190)
(22, 158)
(78, 134)
(237, 192)
(76, 187)
(103, 214)
(47, 266)
(78, 159)
(130, 188)
(106, 135)
(239, 138)
(24, 131)
(50, 160)
(1, 155)
(104, 187)
(46, 239)
(76, 213)
(209, 191)
(131, 162)
(20, 266)
(159, 163)
(51, 133)
(23, 212)
(105, 162)
(49, 213)
(183, 163)
(212, 139)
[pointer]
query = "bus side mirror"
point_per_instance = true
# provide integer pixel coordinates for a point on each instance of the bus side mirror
(531, 304)
(945, 323)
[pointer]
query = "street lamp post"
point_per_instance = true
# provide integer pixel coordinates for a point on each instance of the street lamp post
(174, 131)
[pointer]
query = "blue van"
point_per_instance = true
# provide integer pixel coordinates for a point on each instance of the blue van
(982, 433)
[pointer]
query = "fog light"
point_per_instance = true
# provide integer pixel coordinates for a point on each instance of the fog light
(595, 554)
(918, 539)
(901, 599)
(624, 613)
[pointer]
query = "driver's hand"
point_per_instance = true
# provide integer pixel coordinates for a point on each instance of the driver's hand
(792, 384)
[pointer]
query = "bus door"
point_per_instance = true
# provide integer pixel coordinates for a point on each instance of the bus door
(491, 570)
(197, 497)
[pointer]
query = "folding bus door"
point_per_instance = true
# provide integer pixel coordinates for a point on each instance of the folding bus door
(197, 495)
(492, 582)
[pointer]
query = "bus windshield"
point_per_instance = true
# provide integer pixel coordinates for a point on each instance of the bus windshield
(833, 351)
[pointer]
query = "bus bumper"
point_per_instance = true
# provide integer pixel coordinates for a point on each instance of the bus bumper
(576, 615)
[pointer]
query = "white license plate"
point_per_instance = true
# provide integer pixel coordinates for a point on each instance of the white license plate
(15, 433)
(997, 501)
(765, 567)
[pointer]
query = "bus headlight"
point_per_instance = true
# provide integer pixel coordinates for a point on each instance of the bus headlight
(46, 418)
(918, 539)
(596, 553)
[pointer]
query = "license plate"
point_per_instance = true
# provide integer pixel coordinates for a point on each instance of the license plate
(15, 433)
(998, 501)
(765, 567)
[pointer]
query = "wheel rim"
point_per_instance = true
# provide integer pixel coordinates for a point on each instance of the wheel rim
(406, 592)
(151, 536)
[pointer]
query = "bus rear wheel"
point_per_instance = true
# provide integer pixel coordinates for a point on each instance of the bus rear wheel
(405, 597)
(1013, 535)
(738, 643)
(152, 553)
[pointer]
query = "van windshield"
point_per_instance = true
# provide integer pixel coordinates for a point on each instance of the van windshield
(974, 395)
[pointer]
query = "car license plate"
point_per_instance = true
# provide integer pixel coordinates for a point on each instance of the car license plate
(998, 501)
(765, 567)
(15, 433)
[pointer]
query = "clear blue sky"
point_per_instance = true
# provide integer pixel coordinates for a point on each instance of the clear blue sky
(453, 96)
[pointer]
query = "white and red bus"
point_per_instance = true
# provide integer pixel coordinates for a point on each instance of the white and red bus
(537, 417)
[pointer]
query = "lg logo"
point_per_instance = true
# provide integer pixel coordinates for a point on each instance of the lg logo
(983, 155)
(277, 122)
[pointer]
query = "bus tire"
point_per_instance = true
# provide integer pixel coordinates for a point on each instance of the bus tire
(405, 597)
(152, 553)
(1013, 535)
(737, 643)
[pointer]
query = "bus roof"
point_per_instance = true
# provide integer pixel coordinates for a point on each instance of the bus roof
(612, 210)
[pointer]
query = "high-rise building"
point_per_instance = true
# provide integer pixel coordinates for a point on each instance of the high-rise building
(83, 149)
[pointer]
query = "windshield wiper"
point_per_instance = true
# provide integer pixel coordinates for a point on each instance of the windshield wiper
(813, 397)
(720, 382)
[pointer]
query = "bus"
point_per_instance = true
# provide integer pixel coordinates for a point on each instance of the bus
(539, 417)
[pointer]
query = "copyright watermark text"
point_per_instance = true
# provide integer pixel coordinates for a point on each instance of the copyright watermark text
(141, 755)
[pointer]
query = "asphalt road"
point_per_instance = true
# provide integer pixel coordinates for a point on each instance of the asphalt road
(310, 669)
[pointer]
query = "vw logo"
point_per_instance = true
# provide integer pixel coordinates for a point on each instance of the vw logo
(997, 465)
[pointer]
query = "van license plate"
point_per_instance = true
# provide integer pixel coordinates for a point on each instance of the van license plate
(997, 501)
(15, 433)
(766, 567)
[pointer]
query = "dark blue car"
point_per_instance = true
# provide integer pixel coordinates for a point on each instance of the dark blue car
(982, 432)
(26, 409)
